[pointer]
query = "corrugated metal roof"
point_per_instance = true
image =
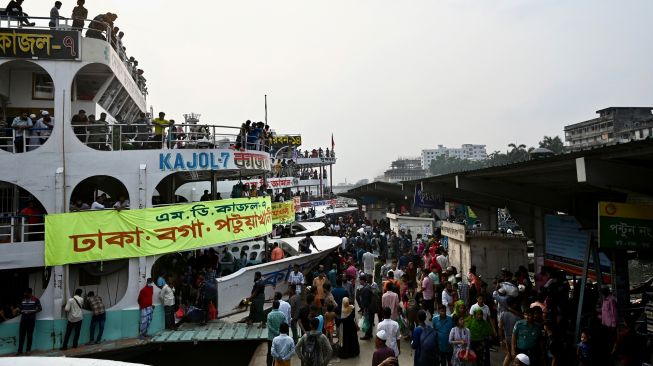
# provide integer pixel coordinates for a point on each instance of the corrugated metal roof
(213, 331)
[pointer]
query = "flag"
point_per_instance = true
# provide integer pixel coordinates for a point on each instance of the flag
(333, 144)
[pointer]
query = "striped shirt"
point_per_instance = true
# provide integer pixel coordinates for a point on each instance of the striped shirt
(95, 304)
(29, 307)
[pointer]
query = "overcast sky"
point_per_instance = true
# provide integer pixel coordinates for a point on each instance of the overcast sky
(389, 78)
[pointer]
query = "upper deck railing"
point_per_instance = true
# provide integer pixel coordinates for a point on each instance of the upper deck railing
(114, 137)
(96, 29)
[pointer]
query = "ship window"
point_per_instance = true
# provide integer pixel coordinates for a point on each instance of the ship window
(252, 256)
(256, 247)
(42, 87)
(245, 247)
(235, 250)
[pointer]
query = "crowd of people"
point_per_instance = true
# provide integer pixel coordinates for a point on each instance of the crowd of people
(406, 289)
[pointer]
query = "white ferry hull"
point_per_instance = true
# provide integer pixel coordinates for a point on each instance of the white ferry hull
(237, 286)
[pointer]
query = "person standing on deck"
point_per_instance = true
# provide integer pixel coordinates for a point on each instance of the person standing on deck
(75, 316)
(80, 13)
(167, 296)
(257, 299)
(29, 306)
(146, 307)
(275, 319)
(95, 304)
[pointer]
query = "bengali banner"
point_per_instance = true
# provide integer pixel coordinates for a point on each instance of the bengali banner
(283, 212)
(109, 234)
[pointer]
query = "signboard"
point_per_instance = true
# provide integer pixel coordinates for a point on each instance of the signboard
(566, 245)
(283, 212)
(425, 199)
(285, 140)
(625, 226)
(332, 202)
(109, 234)
(454, 231)
(39, 43)
(274, 183)
(213, 160)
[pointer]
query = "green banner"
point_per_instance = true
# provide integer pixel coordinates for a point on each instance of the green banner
(625, 226)
(283, 212)
(109, 234)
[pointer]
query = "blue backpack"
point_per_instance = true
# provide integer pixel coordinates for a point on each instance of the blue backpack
(428, 347)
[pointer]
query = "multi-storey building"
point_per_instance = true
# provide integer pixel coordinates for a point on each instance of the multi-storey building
(466, 151)
(404, 169)
(614, 125)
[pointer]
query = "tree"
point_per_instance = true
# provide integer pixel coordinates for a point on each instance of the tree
(554, 144)
(518, 153)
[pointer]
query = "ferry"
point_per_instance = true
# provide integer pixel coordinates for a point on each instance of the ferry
(89, 143)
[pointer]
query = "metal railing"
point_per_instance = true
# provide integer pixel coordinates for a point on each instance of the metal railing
(102, 32)
(14, 229)
(30, 140)
(114, 137)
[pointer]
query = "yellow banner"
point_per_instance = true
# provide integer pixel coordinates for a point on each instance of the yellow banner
(626, 210)
(109, 234)
(283, 212)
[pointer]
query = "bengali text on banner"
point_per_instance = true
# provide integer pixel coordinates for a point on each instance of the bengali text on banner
(283, 212)
(109, 234)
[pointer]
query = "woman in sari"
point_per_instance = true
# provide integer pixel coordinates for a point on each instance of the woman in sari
(350, 347)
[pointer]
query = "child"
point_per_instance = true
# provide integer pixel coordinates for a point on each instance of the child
(583, 350)
(330, 322)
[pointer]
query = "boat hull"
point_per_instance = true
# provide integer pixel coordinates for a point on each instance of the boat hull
(238, 285)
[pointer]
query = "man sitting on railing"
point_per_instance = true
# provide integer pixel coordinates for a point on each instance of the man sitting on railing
(15, 10)
(79, 15)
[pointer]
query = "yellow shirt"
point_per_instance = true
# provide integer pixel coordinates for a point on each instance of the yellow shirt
(159, 125)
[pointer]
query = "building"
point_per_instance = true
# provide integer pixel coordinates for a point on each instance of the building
(466, 151)
(614, 125)
(404, 169)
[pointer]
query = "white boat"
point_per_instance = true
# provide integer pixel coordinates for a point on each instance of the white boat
(238, 285)
(56, 166)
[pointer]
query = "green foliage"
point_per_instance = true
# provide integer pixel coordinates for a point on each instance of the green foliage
(516, 153)
(554, 144)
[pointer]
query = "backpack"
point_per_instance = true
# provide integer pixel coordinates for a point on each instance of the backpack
(428, 344)
(311, 350)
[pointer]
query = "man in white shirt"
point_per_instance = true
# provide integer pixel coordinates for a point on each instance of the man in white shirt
(480, 305)
(443, 260)
(284, 307)
(391, 329)
(368, 263)
(75, 316)
(343, 244)
(98, 204)
(447, 298)
(21, 125)
(167, 296)
(121, 204)
(296, 278)
(44, 127)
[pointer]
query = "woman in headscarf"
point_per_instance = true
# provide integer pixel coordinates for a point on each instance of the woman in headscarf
(481, 331)
(350, 347)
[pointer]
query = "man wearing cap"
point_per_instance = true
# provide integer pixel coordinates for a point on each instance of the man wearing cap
(391, 329)
(383, 355)
(521, 360)
(44, 127)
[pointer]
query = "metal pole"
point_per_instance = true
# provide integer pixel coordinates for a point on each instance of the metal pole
(213, 186)
(266, 109)
(331, 179)
(583, 283)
